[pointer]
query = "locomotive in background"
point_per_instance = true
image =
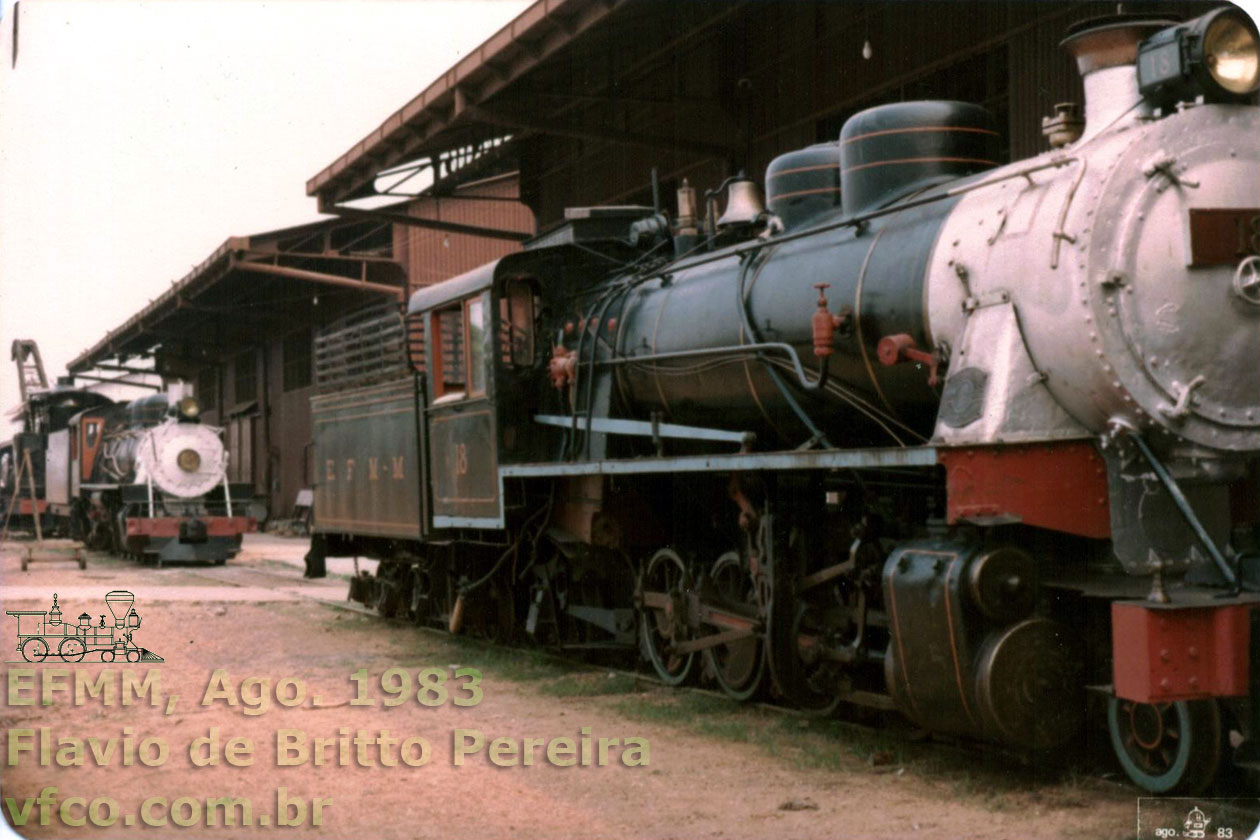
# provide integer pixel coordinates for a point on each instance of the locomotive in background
(1014, 476)
(143, 478)
(23, 500)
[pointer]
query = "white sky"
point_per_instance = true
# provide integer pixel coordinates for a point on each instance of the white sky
(136, 136)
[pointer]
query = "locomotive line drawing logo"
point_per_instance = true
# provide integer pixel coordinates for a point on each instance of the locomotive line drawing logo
(1196, 823)
(44, 637)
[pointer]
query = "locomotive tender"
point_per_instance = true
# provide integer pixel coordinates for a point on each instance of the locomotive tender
(978, 443)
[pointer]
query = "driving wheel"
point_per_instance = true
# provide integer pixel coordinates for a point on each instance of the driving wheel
(34, 650)
(662, 623)
(737, 666)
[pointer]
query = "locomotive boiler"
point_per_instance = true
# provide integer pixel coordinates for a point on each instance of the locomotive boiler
(143, 478)
(978, 443)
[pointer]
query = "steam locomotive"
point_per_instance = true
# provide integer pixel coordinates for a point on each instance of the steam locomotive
(143, 478)
(977, 443)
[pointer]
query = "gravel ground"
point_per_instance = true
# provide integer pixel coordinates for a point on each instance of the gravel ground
(712, 769)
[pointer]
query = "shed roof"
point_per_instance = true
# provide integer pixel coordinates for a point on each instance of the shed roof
(247, 289)
(499, 88)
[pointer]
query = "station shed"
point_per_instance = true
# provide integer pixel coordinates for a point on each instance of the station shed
(595, 94)
(240, 326)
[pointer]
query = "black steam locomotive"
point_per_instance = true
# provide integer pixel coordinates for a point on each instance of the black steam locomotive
(143, 478)
(979, 443)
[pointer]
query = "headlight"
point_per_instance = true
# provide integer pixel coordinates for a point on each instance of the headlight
(1229, 50)
(188, 460)
(1216, 56)
(189, 408)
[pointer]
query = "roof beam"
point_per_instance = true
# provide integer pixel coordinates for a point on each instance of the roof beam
(535, 29)
(320, 277)
(591, 133)
(121, 380)
(416, 221)
(123, 368)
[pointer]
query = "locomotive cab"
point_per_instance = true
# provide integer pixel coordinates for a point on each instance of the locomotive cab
(483, 372)
(459, 411)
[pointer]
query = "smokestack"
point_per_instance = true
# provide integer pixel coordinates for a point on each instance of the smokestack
(1105, 50)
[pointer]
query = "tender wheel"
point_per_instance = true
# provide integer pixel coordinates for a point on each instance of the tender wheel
(421, 592)
(34, 650)
(72, 650)
(1167, 747)
(662, 625)
(738, 667)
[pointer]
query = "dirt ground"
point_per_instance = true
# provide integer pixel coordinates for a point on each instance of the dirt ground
(713, 770)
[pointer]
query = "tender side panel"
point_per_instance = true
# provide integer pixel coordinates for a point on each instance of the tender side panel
(367, 474)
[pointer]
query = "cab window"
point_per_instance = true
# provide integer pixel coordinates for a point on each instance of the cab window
(516, 324)
(459, 351)
(476, 355)
(447, 329)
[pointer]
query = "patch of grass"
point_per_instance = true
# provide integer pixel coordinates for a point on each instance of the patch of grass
(803, 742)
(963, 786)
(511, 664)
(715, 717)
(590, 685)
(999, 802)
(687, 710)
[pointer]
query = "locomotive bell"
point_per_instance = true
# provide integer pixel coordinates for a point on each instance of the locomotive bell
(743, 203)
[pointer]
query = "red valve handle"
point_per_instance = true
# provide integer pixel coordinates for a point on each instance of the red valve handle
(893, 349)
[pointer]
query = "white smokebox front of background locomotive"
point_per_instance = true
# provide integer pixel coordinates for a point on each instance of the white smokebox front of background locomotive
(183, 459)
